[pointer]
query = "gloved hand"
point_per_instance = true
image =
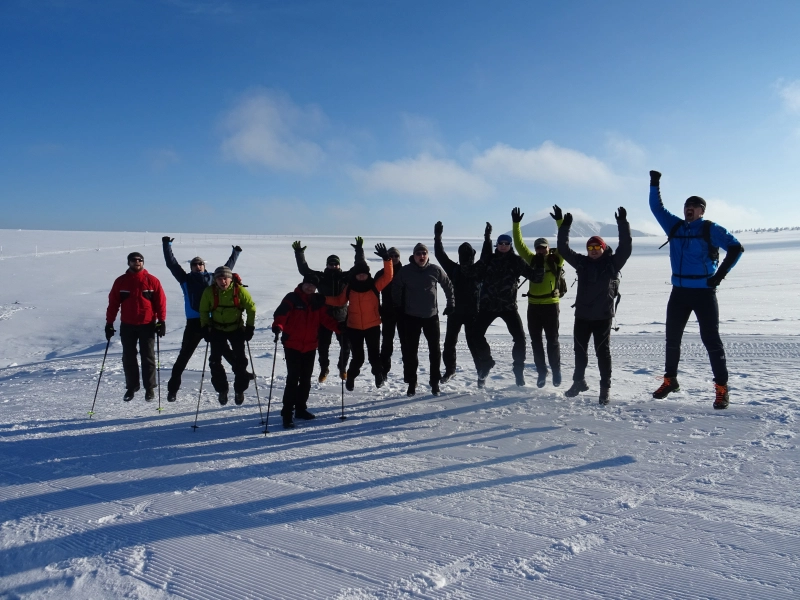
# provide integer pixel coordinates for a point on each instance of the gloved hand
(207, 334)
(167, 239)
(277, 329)
(655, 178)
(438, 228)
(715, 279)
(488, 231)
(380, 250)
(161, 328)
(621, 214)
(448, 310)
(567, 220)
(516, 215)
(359, 242)
(237, 248)
(556, 214)
(110, 331)
(297, 247)
(249, 330)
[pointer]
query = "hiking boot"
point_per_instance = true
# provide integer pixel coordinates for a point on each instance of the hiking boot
(150, 395)
(434, 388)
(412, 389)
(556, 377)
(223, 398)
(541, 379)
(350, 384)
(172, 396)
(323, 376)
(304, 414)
(670, 385)
(481, 380)
(576, 388)
(129, 395)
(448, 375)
(520, 377)
(288, 423)
(343, 375)
(238, 398)
(380, 379)
(604, 391)
(721, 400)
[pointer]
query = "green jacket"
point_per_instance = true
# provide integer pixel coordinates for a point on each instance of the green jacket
(549, 281)
(226, 317)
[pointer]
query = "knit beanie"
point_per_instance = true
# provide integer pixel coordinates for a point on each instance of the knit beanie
(133, 255)
(596, 240)
(359, 267)
(332, 259)
(394, 250)
(695, 201)
(420, 247)
(197, 261)
(223, 271)
(312, 279)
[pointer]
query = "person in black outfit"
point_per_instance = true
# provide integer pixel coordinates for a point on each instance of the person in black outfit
(598, 288)
(193, 284)
(389, 316)
(466, 276)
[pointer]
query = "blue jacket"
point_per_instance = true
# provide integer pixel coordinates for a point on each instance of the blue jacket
(688, 250)
(192, 284)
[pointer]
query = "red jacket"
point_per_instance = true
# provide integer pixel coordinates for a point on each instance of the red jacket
(299, 316)
(141, 297)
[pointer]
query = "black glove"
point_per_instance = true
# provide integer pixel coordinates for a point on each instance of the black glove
(297, 247)
(621, 214)
(161, 328)
(380, 250)
(556, 214)
(207, 334)
(655, 177)
(110, 331)
(516, 215)
(359, 243)
(567, 222)
(167, 240)
(488, 231)
(448, 310)
(249, 330)
(437, 230)
(237, 248)
(715, 279)
(276, 329)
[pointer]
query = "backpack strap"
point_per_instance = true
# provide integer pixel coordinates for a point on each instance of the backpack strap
(236, 301)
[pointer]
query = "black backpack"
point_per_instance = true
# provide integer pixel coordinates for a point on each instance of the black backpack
(713, 251)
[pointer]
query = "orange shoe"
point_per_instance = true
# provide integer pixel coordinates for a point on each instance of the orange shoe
(670, 385)
(721, 400)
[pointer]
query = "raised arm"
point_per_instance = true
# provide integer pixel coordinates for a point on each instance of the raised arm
(448, 265)
(623, 252)
(300, 259)
(358, 247)
(516, 234)
(665, 218)
(564, 250)
(486, 250)
(237, 250)
(172, 264)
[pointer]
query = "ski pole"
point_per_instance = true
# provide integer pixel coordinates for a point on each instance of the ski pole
(271, 381)
(342, 418)
(202, 376)
(158, 372)
(99, 377)
(255, 380)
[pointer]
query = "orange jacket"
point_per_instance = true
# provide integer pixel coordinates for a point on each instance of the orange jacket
(364, 310)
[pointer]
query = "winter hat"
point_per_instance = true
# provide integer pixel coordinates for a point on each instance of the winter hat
(133, 255)
(596, 240)
(312, 279)
(223, 271)
(466, 254)
(541, 242)
(504, 238)
(332, 259)
(359, 267)
(394, 250)
(420, 247)
(197, 261)
(695, 201)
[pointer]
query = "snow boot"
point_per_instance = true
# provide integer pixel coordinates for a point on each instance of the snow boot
(520, 377)
(412, 389)
(556, 377)
(350, 384)
(721, 400)
(129, 395)
(604, 392)
(223, 398)
(448, 375)
(304, 414)
(172, 396)
(541, 379)
(323, 376)
(380, 379)
(577, 387)
(150, 395)
(670, 385)
(288, 423)
(434, 388)
(238, 398)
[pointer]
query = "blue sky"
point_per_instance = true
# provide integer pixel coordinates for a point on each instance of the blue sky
(384, 117)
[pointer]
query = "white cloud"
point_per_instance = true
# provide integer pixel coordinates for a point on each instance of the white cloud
(266, 128)
(548, 164)
(732, 216)
(424, 176)
(790, 94)
(625, 151)
(423, 134)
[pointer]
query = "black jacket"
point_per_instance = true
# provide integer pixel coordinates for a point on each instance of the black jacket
(331, 283)
(501, 281)
(465, 275)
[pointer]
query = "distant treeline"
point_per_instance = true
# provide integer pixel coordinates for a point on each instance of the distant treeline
(765, 229)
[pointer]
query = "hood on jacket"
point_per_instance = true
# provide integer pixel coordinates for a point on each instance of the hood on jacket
(466, 254)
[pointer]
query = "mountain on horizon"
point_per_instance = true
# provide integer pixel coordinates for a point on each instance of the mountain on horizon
(580, 227)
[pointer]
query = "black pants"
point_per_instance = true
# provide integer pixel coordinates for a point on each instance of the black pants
(483, 353)
(192, 336)
(219, 342)
(412, 327)
(601, 330)
(145, 337)
(544, 318)
(299, 367)
(703, 302)
(389, 324)
(454, 324)
(372, 337)
(325, 336)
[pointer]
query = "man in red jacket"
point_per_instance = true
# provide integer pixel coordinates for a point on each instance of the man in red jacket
(299, 317)
(144, 310)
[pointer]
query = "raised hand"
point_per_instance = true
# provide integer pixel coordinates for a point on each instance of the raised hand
(297, 247)
(359, 243)
(567, 222)
(655, 178)
(488, 231)
(621, 214)
(166, 239)
(556, 214)
(239, 248)
(438, 229)
(380, 250)
(516, 215)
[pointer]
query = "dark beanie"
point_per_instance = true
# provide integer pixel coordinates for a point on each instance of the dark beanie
(695, 201)
(359, 267)
(312, 279)
(596, 240)
(332, 259)
(420, 247)
(133, 255)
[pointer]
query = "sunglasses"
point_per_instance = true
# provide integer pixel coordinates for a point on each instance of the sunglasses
(136, 260)
(503, 243)
(198, 264)
(597, 247)
(333, 265)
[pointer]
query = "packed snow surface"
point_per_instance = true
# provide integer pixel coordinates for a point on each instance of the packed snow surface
(507, 492)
